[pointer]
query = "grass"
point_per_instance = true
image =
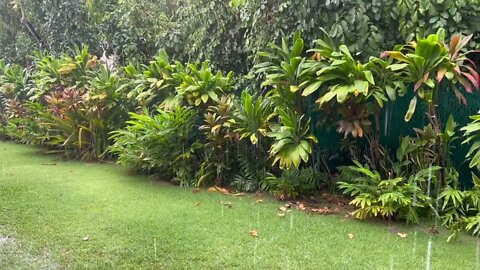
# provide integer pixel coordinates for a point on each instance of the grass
(49, 206)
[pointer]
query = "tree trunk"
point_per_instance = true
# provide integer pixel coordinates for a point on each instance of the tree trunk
(437, 127)
(31, 29)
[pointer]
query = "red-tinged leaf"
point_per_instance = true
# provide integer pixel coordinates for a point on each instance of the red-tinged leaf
(464, 41)
(399, 56)
(454, 43)
(457, 70)
(385, 54)
(418, 85)
(466, 85)
(460, 96)
(440, 74)
(474, 73)
(470, 62)
(471, 78)
(360, 132)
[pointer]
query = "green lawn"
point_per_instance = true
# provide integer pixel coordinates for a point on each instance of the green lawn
(48, 207)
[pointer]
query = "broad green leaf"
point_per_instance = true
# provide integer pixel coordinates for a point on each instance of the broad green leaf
(312, 88)
(411, 109)
(396, 67)
(391, 93)
(369, 77)
(361, 86)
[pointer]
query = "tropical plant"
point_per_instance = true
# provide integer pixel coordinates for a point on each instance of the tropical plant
(164, 144)
(393, 197)
(155, 84)
(292, 139)
(200, 85)
(472, 135)
(428, 63)
(293, 182)
(459, 208)
(251, 118)
(220, 139)
(282, 68)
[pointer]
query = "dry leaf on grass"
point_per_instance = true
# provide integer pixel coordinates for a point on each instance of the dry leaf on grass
(259, 201)
(211, 189)
(301, 206)
(228, 204)
(223, 190)
(86, 238)
(239, 194)
(350, 236)
(254, 233)
(281, 214)
(326, 211)
(402, 235)
(283, 209)
(196, 203)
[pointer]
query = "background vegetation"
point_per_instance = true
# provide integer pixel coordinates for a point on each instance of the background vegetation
(222, 93)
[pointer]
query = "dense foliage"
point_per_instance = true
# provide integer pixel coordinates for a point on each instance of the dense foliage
(190, 121)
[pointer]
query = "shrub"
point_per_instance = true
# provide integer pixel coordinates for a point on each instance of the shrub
(165, 144)
(293, 182)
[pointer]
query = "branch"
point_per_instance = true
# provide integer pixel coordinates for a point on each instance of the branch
(31, 30)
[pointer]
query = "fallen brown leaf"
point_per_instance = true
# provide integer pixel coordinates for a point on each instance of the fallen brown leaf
(195, 190)
(402, 235)
(223, 190)
(301, 207)
(211, 189)
(281, 214)
(228, 204)
(350, 236)
(326, 211)
(259, 201)
(86, 238)
(239, 194)
(283, 209)
(196, 203)
(254, 233)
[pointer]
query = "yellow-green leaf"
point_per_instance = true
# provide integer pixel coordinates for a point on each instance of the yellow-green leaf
(411, 109)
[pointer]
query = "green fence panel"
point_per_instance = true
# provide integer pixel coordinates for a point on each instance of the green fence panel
(393, 126)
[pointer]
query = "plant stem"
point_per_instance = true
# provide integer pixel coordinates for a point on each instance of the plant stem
(437, 127)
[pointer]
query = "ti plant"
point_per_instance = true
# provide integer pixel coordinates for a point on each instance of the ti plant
(252, 118)
(357, 91)
(219, 137)
(428, 63)
(282, 67)
(292, 139)
(155, 84)
(200, 85)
